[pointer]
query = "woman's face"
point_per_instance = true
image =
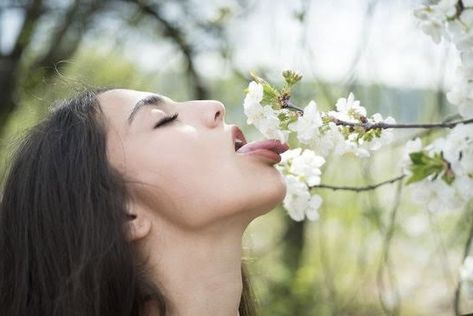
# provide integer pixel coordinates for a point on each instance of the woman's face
(186, 171)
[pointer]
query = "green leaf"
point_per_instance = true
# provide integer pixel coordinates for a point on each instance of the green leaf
(417, 157)
(419, 173)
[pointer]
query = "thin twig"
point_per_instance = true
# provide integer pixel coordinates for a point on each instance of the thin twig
(466, 250)
(291, 106)
(442, 249)
(358, 189)
(385, 265)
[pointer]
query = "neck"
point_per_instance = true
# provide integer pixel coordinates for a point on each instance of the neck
(199, 271)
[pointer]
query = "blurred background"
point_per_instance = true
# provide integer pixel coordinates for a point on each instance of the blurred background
(370, 253)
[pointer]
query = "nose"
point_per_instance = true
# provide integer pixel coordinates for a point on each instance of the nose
(210, 113)
(216, 114)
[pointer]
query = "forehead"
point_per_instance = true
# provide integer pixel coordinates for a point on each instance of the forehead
(120, 100)
(117, 104)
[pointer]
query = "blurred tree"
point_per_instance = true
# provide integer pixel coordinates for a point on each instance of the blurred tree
(52, 31)
(70, 23)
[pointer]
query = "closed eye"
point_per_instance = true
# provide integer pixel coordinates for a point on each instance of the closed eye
(166, 119)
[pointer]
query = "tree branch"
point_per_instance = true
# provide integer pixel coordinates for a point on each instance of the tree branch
(381, 125)
(358, 189)
(173, 32)
(466, 250)
(10, 61)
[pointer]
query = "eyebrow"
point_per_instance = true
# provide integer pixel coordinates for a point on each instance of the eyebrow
(149, 100)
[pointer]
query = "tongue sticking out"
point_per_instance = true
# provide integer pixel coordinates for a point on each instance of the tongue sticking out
(269, 144)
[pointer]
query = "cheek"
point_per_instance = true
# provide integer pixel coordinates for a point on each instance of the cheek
(179, 180)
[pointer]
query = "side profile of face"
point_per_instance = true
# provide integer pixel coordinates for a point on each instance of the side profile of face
(185, 171)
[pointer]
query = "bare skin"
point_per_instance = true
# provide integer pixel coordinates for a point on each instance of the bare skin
(192, 197)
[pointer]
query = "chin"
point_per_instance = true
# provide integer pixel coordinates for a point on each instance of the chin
(271, 196)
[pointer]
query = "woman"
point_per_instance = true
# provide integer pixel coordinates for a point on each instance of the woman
(125, 202)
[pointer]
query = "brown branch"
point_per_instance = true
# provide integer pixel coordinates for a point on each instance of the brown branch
(381, 125)
(10, 61)
(59, 33)
(292, 107)
(358, 189)
(33, 12)
(173, 32)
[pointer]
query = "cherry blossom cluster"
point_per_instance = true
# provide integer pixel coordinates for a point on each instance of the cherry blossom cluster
(441, 173)
(314, 134)
(339, 131)
(443, 170)
(453, 21)
(301, 170)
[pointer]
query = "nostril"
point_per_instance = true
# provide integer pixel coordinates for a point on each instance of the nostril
(219, 110)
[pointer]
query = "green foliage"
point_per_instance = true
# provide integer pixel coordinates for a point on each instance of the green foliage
(424, 166)
(270, 95)
(275, 97)
(291, 78)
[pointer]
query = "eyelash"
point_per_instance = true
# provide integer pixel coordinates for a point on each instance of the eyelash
(166, 119)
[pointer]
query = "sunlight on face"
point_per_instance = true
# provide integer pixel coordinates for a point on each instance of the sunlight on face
(185, 170)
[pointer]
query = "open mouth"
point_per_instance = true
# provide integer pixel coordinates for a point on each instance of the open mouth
(239, 139)
(238, 144)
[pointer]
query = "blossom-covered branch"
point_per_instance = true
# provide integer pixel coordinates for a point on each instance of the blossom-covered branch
(382, 125)
(348, 129)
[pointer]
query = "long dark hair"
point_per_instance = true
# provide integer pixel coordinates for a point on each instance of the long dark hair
(63, 249)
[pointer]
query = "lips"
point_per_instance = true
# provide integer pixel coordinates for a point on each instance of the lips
(268, 144)
(270, 149)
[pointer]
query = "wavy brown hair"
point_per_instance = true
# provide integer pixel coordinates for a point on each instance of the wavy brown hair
(62, 234)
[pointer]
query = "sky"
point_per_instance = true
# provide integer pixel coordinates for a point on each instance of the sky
(395, 52)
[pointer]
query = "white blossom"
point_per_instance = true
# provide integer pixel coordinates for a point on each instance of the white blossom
(331, 140)
(289, 155)
(466, 274)
(298, 201)
(458, 148)
(386, 136)
(348, 109)
(312, 207)
(446, 8)
(307, 126)
(432, 19)
(463, 184)
(414, 145)
(255, 92)
(264, 118)
(435, 195)
(307, 166)
(353, 145)
(462, 96)
(301, 169)
(431, 24)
